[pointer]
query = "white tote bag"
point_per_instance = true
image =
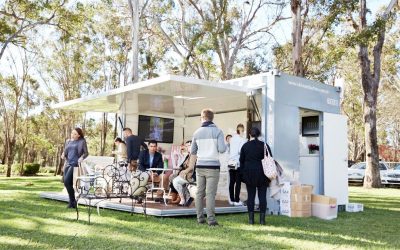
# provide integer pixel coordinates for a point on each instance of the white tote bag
(268, 164)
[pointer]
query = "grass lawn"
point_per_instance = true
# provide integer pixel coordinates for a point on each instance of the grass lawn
(29, 222)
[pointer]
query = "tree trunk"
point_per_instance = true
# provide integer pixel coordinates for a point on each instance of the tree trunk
(134, 10)
(355, 148)
(60, 161)
(103, 134)
(21, 172)
(370, 83)
(10, 156)
(115, 129)
(57, 160)
(372, 177)
(297, 38)
(3, 158)
(9, 164)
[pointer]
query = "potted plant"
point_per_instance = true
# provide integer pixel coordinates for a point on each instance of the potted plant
(312, 148)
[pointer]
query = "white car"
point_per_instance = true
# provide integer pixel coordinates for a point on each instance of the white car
(391, 177)
(356, 172)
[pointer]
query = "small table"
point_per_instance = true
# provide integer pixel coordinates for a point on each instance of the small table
(161, 185)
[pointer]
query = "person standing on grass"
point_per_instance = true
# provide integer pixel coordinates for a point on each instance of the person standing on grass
(207, 144)
(133, 143)
(252, 172)
(235, 145)
(75, 151)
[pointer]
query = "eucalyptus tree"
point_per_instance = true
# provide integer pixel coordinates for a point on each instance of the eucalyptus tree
(367, 36)
(315, 47)
(207, 38)
(19, 17)
(17, 98)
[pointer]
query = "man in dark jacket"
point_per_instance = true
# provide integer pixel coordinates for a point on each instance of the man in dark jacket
(150, 158)
(133, 144)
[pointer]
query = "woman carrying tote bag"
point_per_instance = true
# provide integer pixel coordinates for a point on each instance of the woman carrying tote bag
(251, 155)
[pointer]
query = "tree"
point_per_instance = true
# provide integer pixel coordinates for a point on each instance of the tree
(312, 21)
(13, 89)
(352, 104)
(226, 30)
(134, 11)
(370, 79)
(17, 18)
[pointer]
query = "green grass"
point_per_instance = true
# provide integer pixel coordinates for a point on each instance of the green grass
(29, 222)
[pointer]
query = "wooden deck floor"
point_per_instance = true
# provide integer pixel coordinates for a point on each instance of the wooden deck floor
(153, 208)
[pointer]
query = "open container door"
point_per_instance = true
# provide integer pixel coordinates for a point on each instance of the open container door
(335, 153)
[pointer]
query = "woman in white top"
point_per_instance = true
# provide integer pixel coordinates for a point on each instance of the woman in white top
(235, 145)
(120, 153)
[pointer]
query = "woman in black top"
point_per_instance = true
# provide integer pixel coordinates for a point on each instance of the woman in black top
(251, 154)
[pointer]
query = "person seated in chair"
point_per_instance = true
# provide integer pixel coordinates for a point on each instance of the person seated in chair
(185, 176)
(150, 158)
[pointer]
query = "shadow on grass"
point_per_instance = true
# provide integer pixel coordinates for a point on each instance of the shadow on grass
(133, 233)
(137, 232)
(53, 226)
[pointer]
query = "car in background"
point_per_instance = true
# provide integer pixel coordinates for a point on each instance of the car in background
(356, 172)
(391, 177)
(350, 163)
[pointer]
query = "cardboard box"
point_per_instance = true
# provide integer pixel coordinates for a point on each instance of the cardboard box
(297, 206)
(324, 211)
(300, 213)
(354, 207)
(285, 190)
(301, 189)
(285, 201)
(300, 206)
(296, 209)
(300, 197)
(285, 211)
(296, 200)
(322, 199)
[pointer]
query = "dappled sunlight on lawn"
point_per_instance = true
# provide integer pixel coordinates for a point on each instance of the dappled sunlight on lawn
(20, 223)
(11, 242)
(311, 235)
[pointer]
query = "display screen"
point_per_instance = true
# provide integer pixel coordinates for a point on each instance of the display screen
(310, 126)
(156, 128)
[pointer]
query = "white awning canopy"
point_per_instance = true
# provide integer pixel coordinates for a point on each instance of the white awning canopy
(169, 95)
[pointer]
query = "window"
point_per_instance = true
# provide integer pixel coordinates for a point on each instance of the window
(382, 166)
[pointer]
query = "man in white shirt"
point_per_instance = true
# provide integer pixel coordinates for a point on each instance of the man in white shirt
(236, 143)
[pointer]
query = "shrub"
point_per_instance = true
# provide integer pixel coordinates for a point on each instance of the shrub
(47, 170)
(16, 169)
(43, 170)
(3, 169)
(31, 168)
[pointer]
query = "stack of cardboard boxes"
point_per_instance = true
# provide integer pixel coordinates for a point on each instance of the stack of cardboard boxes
(296, 200)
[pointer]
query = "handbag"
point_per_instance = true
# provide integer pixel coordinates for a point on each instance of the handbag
(268, 164)
(233, 165)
